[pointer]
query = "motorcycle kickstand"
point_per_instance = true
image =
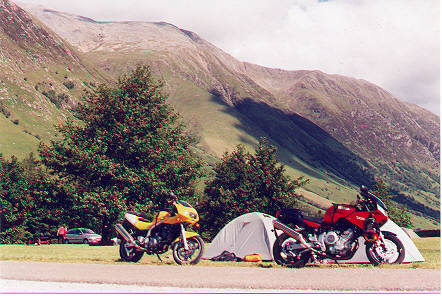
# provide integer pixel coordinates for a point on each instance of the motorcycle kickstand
(158, 255)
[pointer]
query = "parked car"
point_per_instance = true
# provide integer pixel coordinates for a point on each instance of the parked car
(82, 236)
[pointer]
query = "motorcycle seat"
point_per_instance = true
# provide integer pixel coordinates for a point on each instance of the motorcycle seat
(143, 224)
(142, 215)
(313, 219)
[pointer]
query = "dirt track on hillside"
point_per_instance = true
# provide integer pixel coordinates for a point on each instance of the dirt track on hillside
(307, 279)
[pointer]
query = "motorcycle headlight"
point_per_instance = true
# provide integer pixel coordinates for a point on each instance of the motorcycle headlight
(191, 215)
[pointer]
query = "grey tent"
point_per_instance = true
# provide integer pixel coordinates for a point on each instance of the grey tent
(252, 234)
(245, 235)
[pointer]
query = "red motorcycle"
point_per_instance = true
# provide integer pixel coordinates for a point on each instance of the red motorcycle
(336, 236)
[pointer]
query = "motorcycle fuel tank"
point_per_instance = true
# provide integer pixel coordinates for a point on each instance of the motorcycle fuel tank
(336, 212)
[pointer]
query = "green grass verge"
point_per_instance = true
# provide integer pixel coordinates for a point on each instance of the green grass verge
(429, 247)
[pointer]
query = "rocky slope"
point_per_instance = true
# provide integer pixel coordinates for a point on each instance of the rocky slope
(327, 126)
(40, 77)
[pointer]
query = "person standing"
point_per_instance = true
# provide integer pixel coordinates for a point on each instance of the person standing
(61, 232)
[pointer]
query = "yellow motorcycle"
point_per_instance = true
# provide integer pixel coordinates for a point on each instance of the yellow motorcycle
(139, 235)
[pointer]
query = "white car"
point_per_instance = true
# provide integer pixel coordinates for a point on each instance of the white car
(81, 236)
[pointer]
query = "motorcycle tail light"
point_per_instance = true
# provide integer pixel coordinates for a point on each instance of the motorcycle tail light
(277, 213)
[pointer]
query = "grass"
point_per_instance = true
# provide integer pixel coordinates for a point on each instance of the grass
(429, 247)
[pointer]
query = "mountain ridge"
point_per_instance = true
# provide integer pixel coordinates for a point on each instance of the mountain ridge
(343, 127)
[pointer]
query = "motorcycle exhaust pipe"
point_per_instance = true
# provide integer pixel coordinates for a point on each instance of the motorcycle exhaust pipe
(294, 234)
(126, 235)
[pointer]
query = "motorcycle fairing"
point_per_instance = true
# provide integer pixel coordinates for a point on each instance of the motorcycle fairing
(338, 211)
(359, 218)
(184, 213)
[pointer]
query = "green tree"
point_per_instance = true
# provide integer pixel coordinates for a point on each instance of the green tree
(14, 200)
(244, 183)
(48, 207)
(28, 203)
(128, 152)
(398, 215)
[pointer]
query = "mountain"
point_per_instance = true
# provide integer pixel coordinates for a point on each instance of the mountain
(41, 77)
(336, 130)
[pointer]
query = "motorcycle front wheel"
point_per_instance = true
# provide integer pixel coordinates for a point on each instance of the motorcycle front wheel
(392, 253)
(129, 253)
(192, 255)
(288, 252)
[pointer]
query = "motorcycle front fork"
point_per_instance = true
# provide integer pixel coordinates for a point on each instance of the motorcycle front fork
(381, 241)
(183, 237)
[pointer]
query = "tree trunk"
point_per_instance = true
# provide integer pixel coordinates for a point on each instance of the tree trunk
(106, 232)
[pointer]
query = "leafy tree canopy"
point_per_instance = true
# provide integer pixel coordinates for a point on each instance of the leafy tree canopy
(29, 206)
(245, 183)
(128, 152)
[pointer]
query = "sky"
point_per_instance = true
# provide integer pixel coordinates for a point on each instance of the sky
(394, 44)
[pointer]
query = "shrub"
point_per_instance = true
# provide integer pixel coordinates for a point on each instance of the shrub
(69, 84)
(49, 94)
(57, 100)
(63, 98)
(15, 235)
(4, 110)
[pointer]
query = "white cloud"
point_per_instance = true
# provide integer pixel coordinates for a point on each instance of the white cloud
(395, 44)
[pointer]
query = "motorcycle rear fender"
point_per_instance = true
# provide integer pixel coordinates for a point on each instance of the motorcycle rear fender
(188, 234)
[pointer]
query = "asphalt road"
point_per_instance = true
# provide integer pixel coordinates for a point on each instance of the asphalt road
(198, 278)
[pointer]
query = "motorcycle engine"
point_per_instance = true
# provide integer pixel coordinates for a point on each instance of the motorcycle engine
(337, 242)
(157, 242)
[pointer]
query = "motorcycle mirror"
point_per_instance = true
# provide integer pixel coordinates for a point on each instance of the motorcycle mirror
(364, 189)
(172, 196)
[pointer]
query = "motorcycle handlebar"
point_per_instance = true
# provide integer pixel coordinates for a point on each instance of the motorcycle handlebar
(371, 197)
(173, 197)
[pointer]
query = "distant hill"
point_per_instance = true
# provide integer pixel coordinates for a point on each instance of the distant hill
(338, 131)
(41, 77)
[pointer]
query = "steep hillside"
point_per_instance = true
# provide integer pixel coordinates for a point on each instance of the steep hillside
(342, 105)
(41, 76)
(335, 129)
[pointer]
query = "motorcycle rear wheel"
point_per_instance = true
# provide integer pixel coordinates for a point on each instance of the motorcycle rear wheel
(289, 258)
(393, 254)
(192, 255)
(129, 253)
